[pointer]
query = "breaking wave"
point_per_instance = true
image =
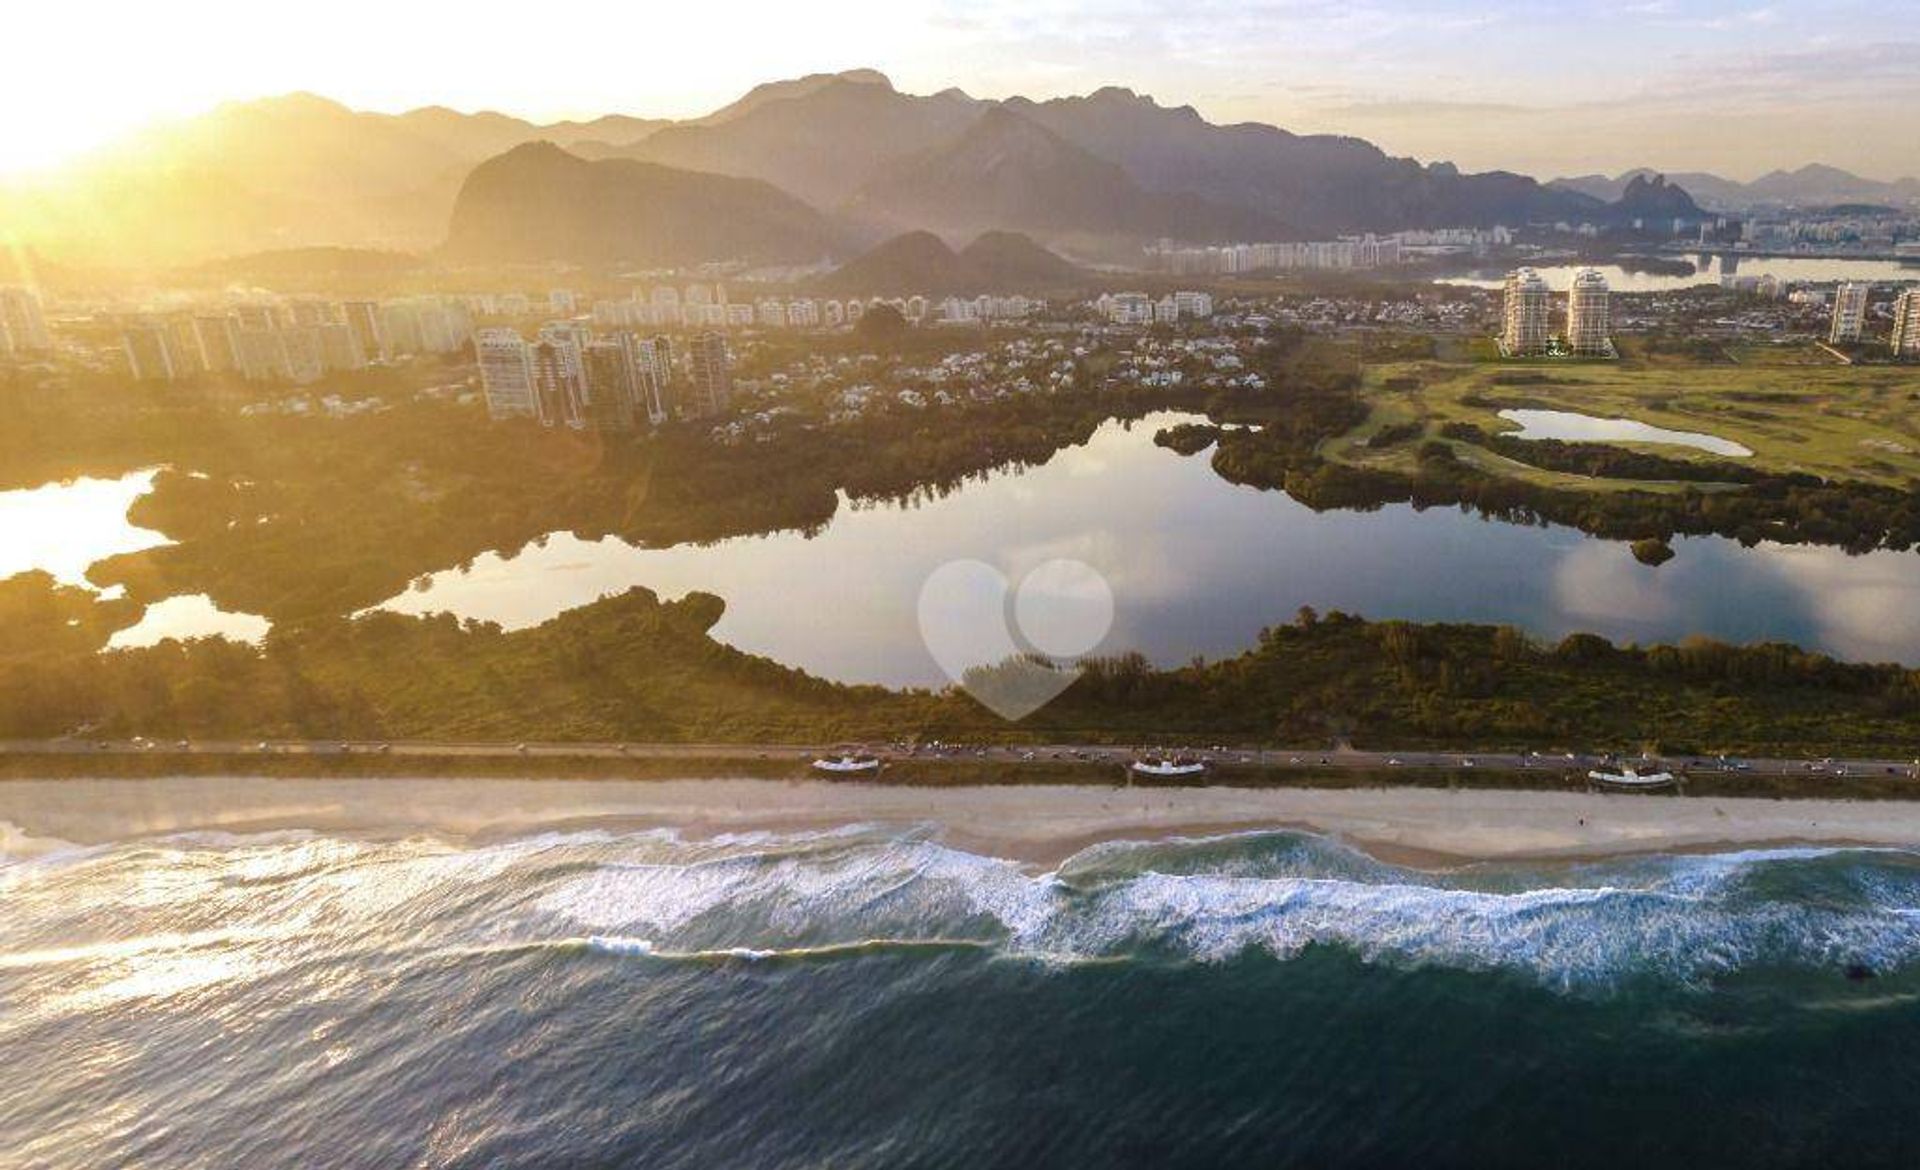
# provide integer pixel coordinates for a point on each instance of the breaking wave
(1685, 918)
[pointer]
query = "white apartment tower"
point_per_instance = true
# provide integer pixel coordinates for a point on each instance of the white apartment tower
(1906, 324)
(1589, 330)
(1849, 312)
(1528, 323)
(506, 374)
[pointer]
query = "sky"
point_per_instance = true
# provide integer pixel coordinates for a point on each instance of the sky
(1569, 87)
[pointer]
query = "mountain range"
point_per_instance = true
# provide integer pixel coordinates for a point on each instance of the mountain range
(1812, 186)
(843, 160)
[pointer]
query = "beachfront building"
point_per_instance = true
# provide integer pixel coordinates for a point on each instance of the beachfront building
(1906, 324)
(1589, 331)
(1527, 325)
(1849, 312)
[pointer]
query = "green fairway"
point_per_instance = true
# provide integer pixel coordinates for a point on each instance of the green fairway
(1833, 421)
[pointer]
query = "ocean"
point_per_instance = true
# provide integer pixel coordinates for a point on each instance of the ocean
(873, 997)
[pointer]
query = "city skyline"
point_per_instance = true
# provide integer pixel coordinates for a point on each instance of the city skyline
(1739, 89)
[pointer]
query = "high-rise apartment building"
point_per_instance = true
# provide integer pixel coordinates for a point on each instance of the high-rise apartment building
(213, 335)
(712, 382)
(149, 348)
(1589, 329)
(363, 317)
(506, 374)
(1527, 327)
(560, 373)
(1849, 312)
(611, 389)
(1906, 324)
(261, 355)
(340, 347)
(306, 354)
(23, 325)
(650, 365)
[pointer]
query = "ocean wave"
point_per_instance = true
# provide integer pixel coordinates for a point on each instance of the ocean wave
(1687, 918)
(624, 946)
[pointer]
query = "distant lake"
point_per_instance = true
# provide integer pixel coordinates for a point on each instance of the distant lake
(1707, 271)
(1584, 428)
(1197, 566)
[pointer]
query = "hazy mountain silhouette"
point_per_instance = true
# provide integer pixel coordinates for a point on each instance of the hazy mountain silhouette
(797, 87)
(922, 262)
(1008, 171)
(820, 141)
(538, 203)
(1814, 185)
(300, 171)
(1321, 184)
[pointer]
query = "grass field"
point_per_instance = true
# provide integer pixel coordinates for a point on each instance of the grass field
(1795, 412)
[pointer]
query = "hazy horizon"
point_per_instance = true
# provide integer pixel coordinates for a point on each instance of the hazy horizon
(1735, 89)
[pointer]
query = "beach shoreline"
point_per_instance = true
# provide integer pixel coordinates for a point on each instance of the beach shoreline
(1037, 825)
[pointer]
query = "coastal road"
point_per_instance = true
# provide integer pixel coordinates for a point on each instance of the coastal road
(1269, 758)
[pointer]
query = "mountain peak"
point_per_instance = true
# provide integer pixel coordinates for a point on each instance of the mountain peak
(540, 149)
(865, 77)
(300, 102)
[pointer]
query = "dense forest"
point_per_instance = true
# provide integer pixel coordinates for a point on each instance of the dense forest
(635, 668)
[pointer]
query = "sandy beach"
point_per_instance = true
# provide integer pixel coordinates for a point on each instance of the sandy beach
(1035, 824)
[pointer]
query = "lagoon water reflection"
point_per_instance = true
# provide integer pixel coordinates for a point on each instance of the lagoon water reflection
(63, 528)
(1197, 566)
(1585, 428)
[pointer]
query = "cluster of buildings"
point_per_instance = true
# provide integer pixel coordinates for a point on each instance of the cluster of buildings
(1136, 308)
(23, 323)
(1871, 232)
(298, 341)
(1367, 251)
(1906, 324)
(1849, 321)
(702, 306)
(1527, 316)
(570, 376)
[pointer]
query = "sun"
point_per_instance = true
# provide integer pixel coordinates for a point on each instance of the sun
(35, 146)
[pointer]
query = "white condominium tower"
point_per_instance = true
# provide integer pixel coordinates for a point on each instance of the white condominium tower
(1906, 324)
(1529, 315)
(506, 373)
(1588, 328)
(1849, 312)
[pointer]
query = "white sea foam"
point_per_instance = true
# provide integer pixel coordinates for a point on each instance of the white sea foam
(1686, 918)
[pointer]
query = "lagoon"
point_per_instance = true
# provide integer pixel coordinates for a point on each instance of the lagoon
(1570, 427)
(1196, 566)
